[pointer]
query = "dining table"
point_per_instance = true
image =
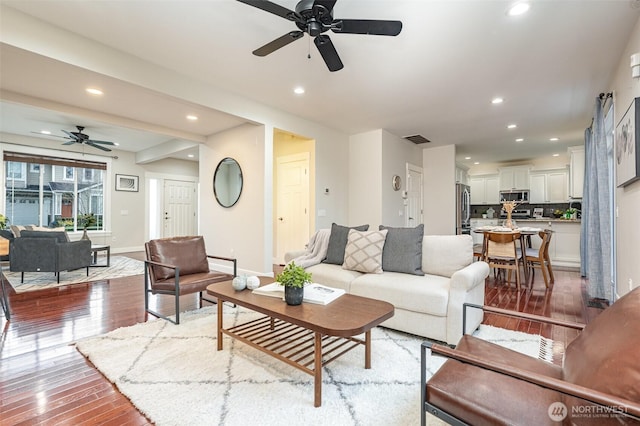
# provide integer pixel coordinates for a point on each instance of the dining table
(525, 240)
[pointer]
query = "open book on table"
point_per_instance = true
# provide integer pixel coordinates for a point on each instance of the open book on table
(313, 292)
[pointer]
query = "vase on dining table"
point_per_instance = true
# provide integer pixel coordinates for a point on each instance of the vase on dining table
(509, 223)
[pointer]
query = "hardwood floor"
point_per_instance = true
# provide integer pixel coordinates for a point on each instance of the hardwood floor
(44, 380)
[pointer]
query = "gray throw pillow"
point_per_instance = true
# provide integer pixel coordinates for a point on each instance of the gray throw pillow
(338, 241)
(403, 250)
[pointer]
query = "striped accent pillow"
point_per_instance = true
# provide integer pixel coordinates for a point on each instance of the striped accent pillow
(363, 251)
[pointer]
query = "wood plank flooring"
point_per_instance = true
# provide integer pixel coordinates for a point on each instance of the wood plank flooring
(44, 380)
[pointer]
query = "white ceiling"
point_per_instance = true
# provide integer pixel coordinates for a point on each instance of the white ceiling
(436, 78)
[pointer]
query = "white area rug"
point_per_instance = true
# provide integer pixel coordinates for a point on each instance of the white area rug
(175, 376)
(120, 266)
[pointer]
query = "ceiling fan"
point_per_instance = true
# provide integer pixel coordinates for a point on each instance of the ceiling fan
(315, 17)
(83, 138)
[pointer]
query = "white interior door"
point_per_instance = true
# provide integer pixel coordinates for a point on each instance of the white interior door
(413, 201)
(292, 218)
(179, 213)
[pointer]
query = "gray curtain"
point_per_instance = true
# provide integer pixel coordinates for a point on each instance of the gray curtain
(596, 241)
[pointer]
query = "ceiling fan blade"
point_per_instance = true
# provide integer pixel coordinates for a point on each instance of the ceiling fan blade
(102, 142)
(71, 135)
(278, 43)
(328, 52)
(366, 26)
(98, 146)
(70, 142)
(270, 7)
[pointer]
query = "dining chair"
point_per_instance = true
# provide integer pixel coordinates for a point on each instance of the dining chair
(539, 258)
(502, 253)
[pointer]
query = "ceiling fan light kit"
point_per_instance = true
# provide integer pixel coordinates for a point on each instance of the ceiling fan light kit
(315, 17)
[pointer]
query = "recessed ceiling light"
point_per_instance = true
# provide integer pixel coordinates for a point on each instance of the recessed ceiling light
(556, 155)
(298, 90)
(45, 132)
(518, 8)
(511, 126)
(553, 139)
(190, 155)
(467, 158)
(94, 91)
(519, 140)
(496, 101)
(192, 117)
(476, 163)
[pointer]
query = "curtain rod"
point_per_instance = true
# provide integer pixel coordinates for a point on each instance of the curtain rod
(114, 157)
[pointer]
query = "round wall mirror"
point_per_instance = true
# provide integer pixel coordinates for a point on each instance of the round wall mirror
(227, 182)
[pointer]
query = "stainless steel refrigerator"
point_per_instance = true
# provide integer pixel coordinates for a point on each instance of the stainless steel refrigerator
(463, 209)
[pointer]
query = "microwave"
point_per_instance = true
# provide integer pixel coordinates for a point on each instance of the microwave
(517, 195)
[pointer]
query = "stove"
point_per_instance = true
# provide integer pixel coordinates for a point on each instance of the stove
(517, 213)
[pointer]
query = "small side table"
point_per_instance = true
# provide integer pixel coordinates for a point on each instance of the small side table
(94, 254)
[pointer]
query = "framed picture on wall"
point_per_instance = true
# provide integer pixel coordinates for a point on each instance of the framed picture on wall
(127, 183)
(627, 155)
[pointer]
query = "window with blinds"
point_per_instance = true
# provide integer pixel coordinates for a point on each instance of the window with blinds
(54, 192)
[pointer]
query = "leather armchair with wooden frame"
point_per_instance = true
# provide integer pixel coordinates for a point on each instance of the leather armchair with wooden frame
(177, 266)
(598, 383)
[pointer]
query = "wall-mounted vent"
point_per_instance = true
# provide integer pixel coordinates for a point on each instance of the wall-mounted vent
(417, 139)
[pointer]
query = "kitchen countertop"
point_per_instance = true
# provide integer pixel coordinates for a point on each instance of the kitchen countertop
(542, 219)
(549, 219)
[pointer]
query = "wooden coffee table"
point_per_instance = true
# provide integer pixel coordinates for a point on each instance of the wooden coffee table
(307, 336)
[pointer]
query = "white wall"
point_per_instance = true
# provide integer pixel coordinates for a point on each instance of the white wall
(627, 199)
(396, 153)
(365, 175)
(237, 231)
(439, 166)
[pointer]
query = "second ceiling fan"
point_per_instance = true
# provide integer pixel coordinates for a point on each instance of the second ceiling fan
(315, 17)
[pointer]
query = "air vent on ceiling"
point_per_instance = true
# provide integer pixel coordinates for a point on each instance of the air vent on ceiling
(417, 139)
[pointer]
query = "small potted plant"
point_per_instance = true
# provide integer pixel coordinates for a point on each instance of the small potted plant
(293, 278)
(3, 221)
(86, 220)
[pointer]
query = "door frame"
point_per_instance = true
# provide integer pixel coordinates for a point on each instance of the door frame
(300, 156)
(154, 201)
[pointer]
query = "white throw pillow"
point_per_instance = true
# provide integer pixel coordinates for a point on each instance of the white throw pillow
(363, 251)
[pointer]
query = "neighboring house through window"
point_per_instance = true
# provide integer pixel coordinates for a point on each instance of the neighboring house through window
(67, 190)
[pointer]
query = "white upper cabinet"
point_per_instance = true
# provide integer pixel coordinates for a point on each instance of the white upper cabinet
(461, 175)
(576, 171)
(516, 177)
(484, 189)
(549, 186)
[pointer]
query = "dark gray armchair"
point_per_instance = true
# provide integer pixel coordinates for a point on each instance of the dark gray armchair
(48, 251)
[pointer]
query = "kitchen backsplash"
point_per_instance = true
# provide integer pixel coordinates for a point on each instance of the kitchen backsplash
(477, 210)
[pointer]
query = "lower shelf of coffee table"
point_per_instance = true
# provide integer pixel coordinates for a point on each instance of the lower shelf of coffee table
(290, 343)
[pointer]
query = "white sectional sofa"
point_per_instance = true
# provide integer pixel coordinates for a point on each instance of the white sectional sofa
(428, 305)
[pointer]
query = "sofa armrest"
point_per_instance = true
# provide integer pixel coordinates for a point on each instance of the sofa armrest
(621, 405)
(469, 277)
(290, 255)
(74, 255)
(466, 286)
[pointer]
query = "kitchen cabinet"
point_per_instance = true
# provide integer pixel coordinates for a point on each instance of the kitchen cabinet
(564, 248)
(485, 189)
(576, 171)
(461, 175)
(549, 186)
(516, 177)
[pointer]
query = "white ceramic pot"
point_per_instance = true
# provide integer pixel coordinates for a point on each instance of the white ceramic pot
(239, 283)
(253, 282)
